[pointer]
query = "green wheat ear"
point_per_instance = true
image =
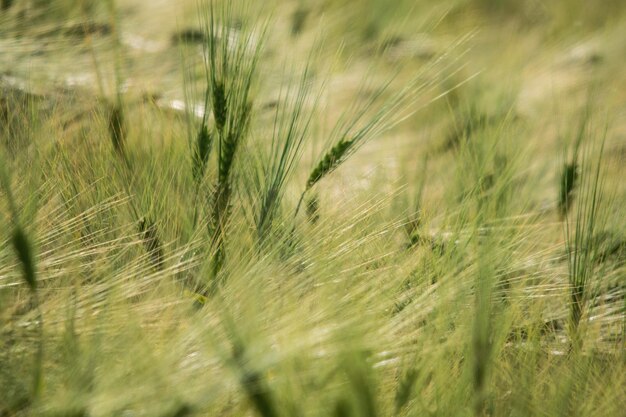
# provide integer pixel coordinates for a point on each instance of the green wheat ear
(220, 105)
(204, 143)
(343, 408)
(24, 253)
(6, 4)
(569, 177)
(405, 389)
(329, 162)
(570, 171)
(117, 128)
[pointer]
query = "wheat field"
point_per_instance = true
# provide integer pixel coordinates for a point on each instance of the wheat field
(312, 208)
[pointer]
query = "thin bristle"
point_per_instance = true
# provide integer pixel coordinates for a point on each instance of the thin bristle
(152, 243)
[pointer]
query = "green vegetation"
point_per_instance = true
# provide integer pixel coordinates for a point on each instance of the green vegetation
(312, 208)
